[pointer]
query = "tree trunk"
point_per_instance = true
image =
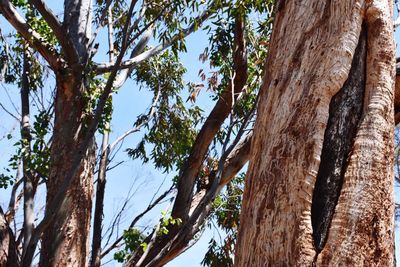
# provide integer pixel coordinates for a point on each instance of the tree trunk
(8, 249)
(319, 189)
(65, 243)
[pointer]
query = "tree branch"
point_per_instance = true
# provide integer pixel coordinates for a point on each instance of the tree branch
(62, 35)
(34, 38)
(132, 62)
(140, 46)
(211, 126)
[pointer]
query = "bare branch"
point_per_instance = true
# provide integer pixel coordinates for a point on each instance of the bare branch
(135, 220)
(106, 67)
(12, 16)
(101, 180)
(8, 112)
(14, 199)
(106, 12)
(138, 127)
(62, 35)
(140, 46)
(29, 191)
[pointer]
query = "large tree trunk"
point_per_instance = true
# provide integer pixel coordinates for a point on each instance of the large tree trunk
(319, 189)
(66, 242)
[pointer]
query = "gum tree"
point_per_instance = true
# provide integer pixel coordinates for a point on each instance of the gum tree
(319, 189)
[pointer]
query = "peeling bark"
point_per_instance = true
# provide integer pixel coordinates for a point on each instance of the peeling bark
(312, 49)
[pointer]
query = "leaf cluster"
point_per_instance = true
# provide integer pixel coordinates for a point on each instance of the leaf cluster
(171, 132)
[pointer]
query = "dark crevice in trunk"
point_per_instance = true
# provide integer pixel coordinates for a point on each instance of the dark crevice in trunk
(344, 115)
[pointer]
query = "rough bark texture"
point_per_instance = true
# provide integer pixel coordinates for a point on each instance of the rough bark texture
(65, 243)
(312, 49)
(8, 251)
(362, 227)
(397, 96)
(344, 115)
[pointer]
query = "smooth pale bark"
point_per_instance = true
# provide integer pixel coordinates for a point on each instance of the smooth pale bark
(29, 181)
(312, 54)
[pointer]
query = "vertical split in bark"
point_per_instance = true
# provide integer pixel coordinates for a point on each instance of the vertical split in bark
(361, 231)
(310, 57)
(278, 207)
(344, 114)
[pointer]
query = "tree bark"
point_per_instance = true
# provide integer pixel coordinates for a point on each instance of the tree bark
(65, 243)
(319, 188)
(8, 249)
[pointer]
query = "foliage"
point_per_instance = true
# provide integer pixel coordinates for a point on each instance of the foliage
(133, 239)
(36, 157)
(171, 134)
(167, 220)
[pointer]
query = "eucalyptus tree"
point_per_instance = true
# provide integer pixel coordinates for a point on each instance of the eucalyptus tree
(57, 146)
(68, 47)
(319, 189)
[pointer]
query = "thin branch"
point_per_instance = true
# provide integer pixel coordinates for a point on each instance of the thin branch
(106, 12)
(10, 99)
(106, 67)
(135, 220)
(138, 127)
(9, 113)
(14, 199)
(45, 49)
(152, 240)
